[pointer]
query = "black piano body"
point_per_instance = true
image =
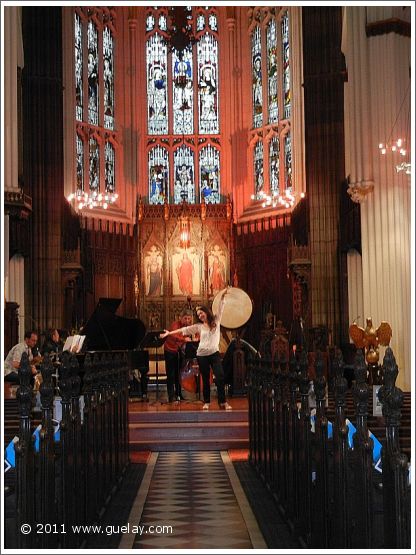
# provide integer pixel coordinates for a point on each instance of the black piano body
(106, 331)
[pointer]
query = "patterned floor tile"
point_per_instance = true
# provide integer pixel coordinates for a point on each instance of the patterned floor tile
(191, 492)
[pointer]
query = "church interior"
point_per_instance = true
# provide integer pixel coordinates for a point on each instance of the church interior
(153, 159)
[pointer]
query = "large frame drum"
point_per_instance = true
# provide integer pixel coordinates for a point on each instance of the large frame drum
(237, 310)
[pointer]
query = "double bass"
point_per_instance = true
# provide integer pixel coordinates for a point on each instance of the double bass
(189, 375)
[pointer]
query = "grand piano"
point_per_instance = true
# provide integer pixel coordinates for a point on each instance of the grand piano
(105, 331)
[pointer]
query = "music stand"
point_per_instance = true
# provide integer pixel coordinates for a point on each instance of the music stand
(152, 341)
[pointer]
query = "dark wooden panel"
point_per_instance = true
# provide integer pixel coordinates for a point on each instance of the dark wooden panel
(261, 264)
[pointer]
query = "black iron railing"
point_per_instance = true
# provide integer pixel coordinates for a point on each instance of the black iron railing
(326, 486)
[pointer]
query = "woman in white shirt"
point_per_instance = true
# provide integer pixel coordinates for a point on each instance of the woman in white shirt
(208, 350)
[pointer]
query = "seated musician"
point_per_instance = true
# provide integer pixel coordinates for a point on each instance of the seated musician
(52, 344)
(12, 361)
(173, 358)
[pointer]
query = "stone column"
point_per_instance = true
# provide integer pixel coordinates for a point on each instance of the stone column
(13, 59)
(135, 67)
(43, 161)
(297, 123)
(323, 86)
(376, 43)
(16, 204)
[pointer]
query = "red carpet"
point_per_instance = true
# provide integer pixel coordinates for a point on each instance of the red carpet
(238, 454)
(138, 457)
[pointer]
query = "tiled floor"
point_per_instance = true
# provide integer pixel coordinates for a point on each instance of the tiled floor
(198, 494)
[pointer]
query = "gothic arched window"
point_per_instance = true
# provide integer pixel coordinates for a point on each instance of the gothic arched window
(95, 136)
(271, 106)
(158, 164)
(258, 168)
(209, 174)
(183, 132)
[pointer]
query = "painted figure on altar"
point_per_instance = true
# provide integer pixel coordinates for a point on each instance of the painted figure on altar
(216, 270)
(153, 268)
(216, 275)
(185, 273)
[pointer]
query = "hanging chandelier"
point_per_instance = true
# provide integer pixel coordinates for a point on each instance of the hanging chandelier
(397, 147)
(286, 200)
(92, 200)
(180, 35)
(400, 146)
(179, 38)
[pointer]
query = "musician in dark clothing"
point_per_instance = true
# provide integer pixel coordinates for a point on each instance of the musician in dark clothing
(172, 352)
(52, 344)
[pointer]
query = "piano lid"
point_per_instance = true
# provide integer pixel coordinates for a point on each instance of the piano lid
(107, 331)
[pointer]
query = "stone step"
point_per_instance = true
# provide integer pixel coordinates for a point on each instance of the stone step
(175, 414)
(189, 431)
(186, 427)
(195, 445)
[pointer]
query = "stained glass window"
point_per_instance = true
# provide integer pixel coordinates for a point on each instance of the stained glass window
(274, 164)
(208, 84)
(209, 174)
(79, 68)
(158, 175)
(108, 78)
(286, 64)
(272, 71)
(213, 22)
(94, 166)
(258, 169)
(157, 93)
(94, 46)
(183, 92)
(257, 78)
(109, 168)
(269, 30)
(200, 22)
(162, 23)
(184, 175)
(92, 73)
(80, 163)
(183, 107)
(288, 163)
(150, 22)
